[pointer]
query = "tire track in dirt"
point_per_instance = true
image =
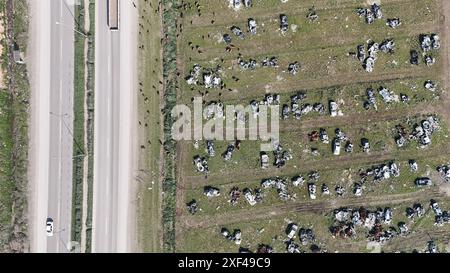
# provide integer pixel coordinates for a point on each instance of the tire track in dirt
(305, 206)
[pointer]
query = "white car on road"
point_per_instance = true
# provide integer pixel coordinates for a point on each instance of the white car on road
(49, 227)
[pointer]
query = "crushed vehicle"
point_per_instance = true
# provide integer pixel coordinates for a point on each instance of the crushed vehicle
(235, 194)
(201, 163)
(252, 26)
(264, 160)
(444, 172)
(238, 32)
(348, 147)
(312, 190)
(365, 145)
(325, 189)
(306, 236)
(336, 146)
(323, 136)
(291, 230)
(210, 148)
(430, 85)
(294, 68)
(236, 237)
(357, 189)
(270, 62)
(229, 152)
(250, 197)
(210, 191)
(393, 22)
(284, 25)
(192, 207)
(414, 59)
(298, 180)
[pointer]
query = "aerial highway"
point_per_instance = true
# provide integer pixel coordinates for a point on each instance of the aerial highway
(51, 142)
(115, 83)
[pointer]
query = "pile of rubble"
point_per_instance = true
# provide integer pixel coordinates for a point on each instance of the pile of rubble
(442, 217)
(236, 237)
(370, 14)
(368, 60)
(381, 172)
(298, 110)
(422, 133)
(444, 172)
(279, 184)
(211, 77)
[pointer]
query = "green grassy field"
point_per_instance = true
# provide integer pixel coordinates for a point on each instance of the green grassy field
(328, 72)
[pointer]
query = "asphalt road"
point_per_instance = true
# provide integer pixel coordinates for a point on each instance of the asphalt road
(114, 88)
(52, 114)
